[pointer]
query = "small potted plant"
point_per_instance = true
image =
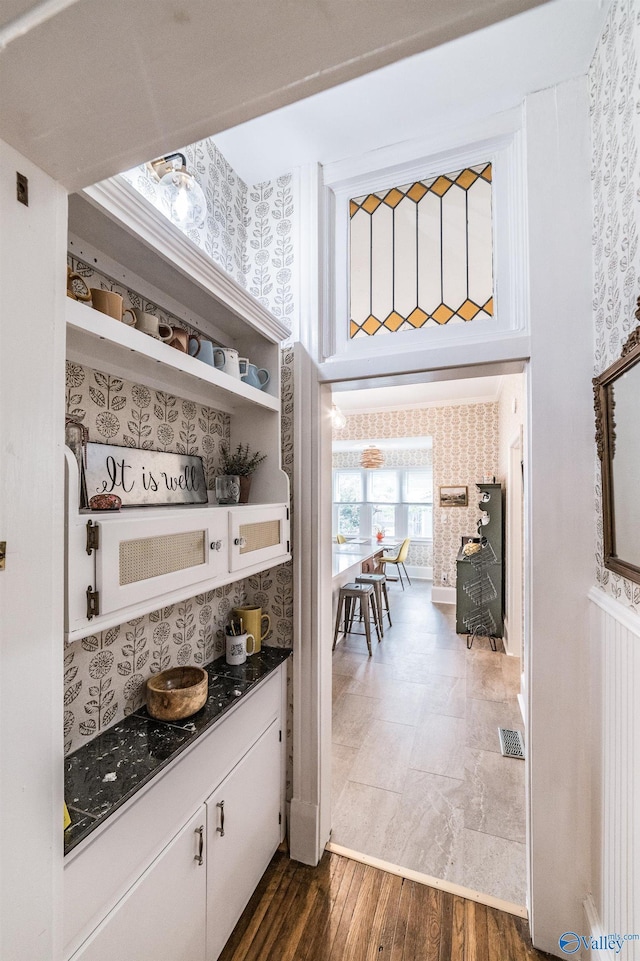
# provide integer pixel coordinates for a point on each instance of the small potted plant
(241, 463)
(380, 532)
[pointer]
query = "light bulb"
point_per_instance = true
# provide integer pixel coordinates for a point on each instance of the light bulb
(183, 198)
(337, 417)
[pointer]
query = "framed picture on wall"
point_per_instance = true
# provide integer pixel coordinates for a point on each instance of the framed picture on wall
(454, 497)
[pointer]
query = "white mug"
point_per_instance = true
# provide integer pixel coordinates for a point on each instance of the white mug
(226, 359)
(237, 647)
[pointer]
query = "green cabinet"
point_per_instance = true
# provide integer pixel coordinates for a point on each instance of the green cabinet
(480, 577)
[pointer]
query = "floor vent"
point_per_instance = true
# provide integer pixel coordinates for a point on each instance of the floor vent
(511, 743)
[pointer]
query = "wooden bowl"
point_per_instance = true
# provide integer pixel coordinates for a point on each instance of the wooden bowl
(177, 693)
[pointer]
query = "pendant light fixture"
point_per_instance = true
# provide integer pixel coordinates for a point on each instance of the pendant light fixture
(181, 193)
(372, 458)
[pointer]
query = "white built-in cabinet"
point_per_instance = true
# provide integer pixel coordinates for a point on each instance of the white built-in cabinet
(164, 913)
(115, 228)
(163, 877)
(159, 884)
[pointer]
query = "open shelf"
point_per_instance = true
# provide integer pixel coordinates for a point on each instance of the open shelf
(96, 340)
(120, 222)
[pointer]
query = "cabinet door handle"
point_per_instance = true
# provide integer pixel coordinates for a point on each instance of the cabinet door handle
(240, 542)
(198, 857)
(220, 830)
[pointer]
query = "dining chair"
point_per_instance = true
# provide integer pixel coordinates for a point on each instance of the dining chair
(398, 560)
(341, 539)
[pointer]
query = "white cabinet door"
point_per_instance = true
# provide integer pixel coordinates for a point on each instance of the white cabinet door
(257, 535)
(243, 833)
(163, 916)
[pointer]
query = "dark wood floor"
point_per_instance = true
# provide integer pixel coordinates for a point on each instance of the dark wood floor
(343, 910)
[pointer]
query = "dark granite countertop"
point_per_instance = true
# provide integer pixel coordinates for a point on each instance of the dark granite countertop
(101, 775)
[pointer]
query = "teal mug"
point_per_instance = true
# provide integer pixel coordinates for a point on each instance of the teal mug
(252, 375)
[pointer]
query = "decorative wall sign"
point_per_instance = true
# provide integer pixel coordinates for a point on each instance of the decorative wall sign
(145, 477)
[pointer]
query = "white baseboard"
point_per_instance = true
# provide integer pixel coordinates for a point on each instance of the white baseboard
(595, 930)
(420, 573)
(443, 595)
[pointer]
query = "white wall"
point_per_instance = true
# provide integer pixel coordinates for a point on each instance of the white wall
(32, 297)
(560, 505)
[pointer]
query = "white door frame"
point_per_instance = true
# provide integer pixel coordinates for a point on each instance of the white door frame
(32, 342)
(514, 545)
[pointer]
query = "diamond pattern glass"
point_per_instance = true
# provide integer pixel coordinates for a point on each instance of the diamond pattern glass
(421, 255)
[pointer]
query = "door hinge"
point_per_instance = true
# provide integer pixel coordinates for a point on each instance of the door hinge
(280, 736)
(287, 513)
(93, 603)
(288, 547)
(93, 537)
(279, 817)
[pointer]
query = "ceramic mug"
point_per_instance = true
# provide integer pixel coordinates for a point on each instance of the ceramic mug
(252, 375)
(226, 359)
(238, 648)
(111, 304)
(205, 354)
(76, 286)
(150, 325)
(255, 622)
(181, 340)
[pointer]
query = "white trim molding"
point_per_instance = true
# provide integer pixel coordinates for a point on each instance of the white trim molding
(595, 930)
(443, 595)
(502, 146)
(457, 889)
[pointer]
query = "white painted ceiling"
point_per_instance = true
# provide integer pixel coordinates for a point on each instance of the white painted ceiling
(476, 75)
(462, 391)
(92, 87)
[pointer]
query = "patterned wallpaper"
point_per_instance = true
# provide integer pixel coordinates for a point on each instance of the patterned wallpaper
(465, 448)
(105, 673)
(420, 553)
(249, 234)
(614, 79)
(248, 231)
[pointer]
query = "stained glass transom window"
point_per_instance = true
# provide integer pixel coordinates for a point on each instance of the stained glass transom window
(421, 255)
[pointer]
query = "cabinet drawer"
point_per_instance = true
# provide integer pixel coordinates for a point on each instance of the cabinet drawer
(98, 874)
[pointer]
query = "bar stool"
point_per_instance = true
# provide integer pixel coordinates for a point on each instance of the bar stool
(379, 584)
(347, 598)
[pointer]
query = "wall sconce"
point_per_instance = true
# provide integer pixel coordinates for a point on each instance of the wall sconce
(372, 458)
(337, 418)
(181, 193)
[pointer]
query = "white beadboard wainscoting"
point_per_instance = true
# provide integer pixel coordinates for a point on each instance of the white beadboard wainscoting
(613, 905)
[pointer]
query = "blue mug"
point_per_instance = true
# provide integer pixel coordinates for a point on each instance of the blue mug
(252, 375)
(205, 353)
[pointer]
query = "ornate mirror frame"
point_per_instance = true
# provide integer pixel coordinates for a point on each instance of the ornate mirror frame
(604, 402)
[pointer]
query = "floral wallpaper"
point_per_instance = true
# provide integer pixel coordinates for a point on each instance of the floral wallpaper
(248, 231)
(465, 449)
(116, 411)
(614, 79)
(420, 553)
(105, 673)
(250, 235)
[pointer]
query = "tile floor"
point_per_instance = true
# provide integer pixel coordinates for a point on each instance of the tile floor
(418, 777)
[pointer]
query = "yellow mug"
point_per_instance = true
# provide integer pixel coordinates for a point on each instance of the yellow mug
(253, 622)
